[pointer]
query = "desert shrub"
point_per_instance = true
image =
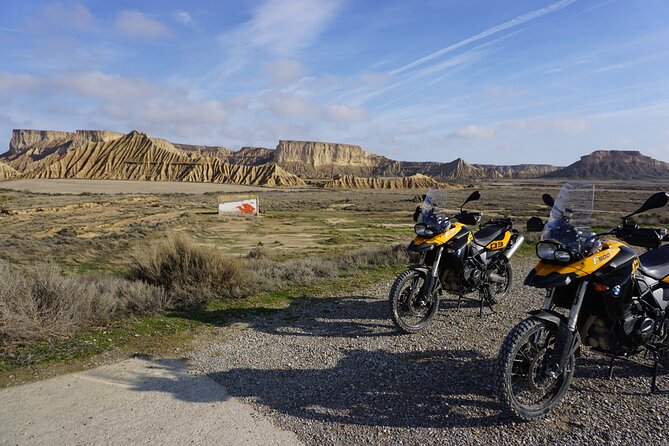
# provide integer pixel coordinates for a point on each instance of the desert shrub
(192, 275)
(39, 303)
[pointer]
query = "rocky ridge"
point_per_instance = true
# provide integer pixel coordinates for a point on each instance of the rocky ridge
(417, 181)
(135, 156)
(614, 165)
(7, 172)
(520, 170)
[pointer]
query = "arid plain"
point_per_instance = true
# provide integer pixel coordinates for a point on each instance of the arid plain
(91, 225)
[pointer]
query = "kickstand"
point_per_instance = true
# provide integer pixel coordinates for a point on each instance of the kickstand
(613, 358)
(484, 296)
(653, 381)
(459, 302)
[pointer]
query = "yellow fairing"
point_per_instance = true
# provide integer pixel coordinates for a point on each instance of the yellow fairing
(499, 244)
(442, 238)
(585, 267)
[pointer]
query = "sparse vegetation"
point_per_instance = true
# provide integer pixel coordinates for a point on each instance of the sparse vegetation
(39, 303)
(191, 275)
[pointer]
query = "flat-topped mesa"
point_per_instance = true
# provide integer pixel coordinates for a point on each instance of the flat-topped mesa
(37, 140)
(314, 158)
(614, 165)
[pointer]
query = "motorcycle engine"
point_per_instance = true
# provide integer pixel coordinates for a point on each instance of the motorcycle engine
(598, 334)
(472, 276)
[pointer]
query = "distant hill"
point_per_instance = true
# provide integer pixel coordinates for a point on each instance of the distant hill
(110, 155)
(614, 165)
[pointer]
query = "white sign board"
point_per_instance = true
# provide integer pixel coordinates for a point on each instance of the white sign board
(248, 207)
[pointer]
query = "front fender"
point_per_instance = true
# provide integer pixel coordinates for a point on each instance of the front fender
(421, 269)
(550, 316)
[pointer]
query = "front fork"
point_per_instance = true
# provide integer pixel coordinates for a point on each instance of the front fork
(431, 279)
(566, 340)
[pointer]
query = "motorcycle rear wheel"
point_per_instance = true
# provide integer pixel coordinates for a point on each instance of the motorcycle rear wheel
(520, 383)
(500, 291)
(409, 309)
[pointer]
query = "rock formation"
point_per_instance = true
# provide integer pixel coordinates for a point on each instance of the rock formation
(614, 165)
(251, 156)
(417, 181)
(324, 160)
(521, 170)
(209, 151)
(135, 156)
(7, 172)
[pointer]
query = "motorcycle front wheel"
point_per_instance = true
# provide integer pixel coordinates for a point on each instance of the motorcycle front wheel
(411, 310)
(523, 387)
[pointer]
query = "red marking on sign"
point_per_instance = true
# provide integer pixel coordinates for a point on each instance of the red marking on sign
(246, 208)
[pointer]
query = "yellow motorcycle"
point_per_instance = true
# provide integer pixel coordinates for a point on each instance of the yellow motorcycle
(452, 259)
(599, 294)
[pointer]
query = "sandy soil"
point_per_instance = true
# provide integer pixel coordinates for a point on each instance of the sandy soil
(138, 401)
(121, 187)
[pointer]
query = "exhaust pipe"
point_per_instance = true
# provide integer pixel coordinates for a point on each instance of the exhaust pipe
(512, 250)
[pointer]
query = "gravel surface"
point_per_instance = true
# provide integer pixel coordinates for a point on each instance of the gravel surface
(334, 371)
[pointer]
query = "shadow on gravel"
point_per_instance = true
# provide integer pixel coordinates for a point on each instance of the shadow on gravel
(348, 316)
(634, 375)
(422, 389)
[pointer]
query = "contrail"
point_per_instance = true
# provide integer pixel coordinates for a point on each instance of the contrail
(495, 29)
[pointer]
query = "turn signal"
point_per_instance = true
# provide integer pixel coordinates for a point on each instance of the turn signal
(601, 288)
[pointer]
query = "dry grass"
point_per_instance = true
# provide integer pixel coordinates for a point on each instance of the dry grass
(39, 303)
(191, 275)
(271, 275)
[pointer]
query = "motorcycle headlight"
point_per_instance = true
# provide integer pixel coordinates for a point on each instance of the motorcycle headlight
(423, 231)
(552, 252)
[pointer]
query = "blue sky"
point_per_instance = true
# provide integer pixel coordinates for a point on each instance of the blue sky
(489, 81)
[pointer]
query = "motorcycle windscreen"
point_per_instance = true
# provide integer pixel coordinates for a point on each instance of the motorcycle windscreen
(434, 205)
(569, 224)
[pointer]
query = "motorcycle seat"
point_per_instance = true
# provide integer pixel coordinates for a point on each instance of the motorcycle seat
(655, 263)
(487, 234)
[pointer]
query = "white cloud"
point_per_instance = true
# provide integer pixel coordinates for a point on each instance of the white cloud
(74, 17)
(285, 71)
(571, 126)
(486, 33)
(474, 132)
(137, 25)
(345, 114)
(282, 27)
(288, 106)
(18, 82)
(114, 88)
(184, 18)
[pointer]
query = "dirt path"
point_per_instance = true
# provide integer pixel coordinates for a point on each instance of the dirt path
(138, 401)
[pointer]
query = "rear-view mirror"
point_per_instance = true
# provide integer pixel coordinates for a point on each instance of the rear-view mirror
(548, 200)
(655, 201)
(467, 219)
(535, 224)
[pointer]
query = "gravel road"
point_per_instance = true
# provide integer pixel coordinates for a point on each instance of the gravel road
(334, 371)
